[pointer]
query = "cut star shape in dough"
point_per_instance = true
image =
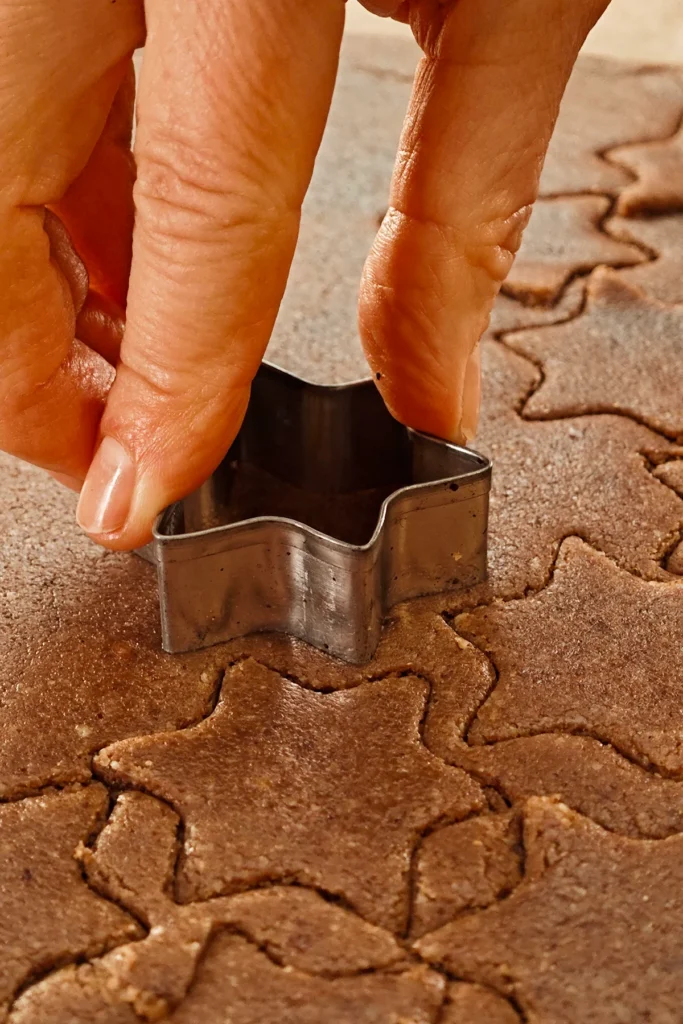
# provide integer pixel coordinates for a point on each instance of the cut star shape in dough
(584, 773)
(563, 239)
(48, 914)
(624, 354)
(280, 783)
(583, 476)
(658, 170)
(417, 640)
(598, 651)
(591, 934)
(235, 982)
(132, 863)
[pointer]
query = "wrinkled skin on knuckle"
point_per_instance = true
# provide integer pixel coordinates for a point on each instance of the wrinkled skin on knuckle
(437, 269)
(426, 298)
(60, 68)
(193, 212)
(493, 243)
(184, 188)
(54, 423)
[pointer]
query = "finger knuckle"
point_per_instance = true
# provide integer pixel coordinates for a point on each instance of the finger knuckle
(184, 188)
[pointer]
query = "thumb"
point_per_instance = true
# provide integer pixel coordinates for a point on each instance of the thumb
(232, 103)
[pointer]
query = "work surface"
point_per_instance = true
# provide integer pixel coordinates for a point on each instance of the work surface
(486, 823)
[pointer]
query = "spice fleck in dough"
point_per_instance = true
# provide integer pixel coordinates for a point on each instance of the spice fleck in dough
(591, 934)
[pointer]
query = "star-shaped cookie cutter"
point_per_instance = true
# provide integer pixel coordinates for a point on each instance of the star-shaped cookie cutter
(325, 513)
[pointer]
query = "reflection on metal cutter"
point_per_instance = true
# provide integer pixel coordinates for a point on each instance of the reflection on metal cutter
(324, 514)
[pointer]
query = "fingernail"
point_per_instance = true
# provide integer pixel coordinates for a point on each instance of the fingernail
(471, 401)
(108, 490)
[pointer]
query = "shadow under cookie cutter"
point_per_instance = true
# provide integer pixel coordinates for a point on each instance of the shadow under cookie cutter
(325, 513)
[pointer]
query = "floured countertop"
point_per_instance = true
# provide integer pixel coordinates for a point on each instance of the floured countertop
(486, 822)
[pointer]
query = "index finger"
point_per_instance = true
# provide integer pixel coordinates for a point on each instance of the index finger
(232, 103)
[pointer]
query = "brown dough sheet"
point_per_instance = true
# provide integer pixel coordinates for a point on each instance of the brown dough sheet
(592, 933)
(359, 787)
(584, 475)
(608, 104)
(283, 838)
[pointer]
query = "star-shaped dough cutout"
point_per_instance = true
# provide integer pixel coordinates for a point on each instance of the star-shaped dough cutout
(592, 933)
(598, 651)
(584, 773)
(80, 644)
(658, 170)
(280, 783)
(584, 476)
(660, 278)
(563, 239)
(624, 354)
(48, 914)
(132, 863)
(607, 104)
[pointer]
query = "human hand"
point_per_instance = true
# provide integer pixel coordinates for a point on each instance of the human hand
(232, 103)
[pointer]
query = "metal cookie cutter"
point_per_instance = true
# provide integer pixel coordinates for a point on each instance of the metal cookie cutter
(325, 513)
